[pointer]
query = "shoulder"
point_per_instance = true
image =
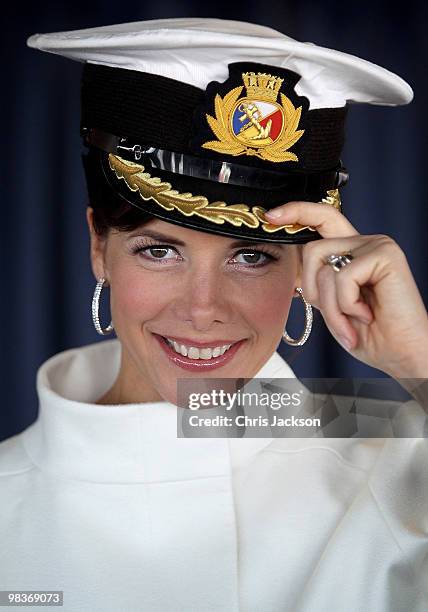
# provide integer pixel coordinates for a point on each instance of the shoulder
(13, 458)
(399, 488)
(400, 477)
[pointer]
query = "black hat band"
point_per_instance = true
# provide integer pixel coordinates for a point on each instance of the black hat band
(160, 112)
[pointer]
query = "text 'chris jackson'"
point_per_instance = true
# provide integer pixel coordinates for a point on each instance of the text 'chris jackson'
(241, 420)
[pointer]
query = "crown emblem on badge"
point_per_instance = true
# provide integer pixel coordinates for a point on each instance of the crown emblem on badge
(256, 124)
(262, 85)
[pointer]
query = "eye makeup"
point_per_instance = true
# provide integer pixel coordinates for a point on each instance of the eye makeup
(146, 244)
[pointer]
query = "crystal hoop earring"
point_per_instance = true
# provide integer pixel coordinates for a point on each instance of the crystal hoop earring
(308, 324)
(95, 310)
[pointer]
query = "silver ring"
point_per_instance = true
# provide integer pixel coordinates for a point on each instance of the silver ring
(337, 262)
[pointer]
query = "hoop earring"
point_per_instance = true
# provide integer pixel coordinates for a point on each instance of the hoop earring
(95, 310)
(308, 324)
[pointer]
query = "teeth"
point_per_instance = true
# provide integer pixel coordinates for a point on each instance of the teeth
(195, 353)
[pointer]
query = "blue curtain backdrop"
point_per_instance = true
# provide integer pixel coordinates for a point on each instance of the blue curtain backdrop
(47, 283)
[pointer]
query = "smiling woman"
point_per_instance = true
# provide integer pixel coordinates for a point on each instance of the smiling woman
(214, 199)
(171, 282)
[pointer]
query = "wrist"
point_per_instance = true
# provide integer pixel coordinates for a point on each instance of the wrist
(415, 363)
(412, 374)
(418, 389)
(417, 371)
(415, 366)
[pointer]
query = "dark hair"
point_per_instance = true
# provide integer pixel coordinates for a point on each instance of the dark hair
(111, 211)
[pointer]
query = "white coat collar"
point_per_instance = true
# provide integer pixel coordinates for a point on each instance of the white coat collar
(75, 438)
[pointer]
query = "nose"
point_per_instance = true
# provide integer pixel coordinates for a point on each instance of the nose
(204, 299)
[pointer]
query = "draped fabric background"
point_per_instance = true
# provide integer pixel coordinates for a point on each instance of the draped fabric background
(47, 283)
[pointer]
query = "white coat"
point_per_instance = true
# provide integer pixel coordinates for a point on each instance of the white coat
(106, 504)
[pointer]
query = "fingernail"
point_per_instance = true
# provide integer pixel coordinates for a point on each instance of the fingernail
(345, 342)
(273, 214)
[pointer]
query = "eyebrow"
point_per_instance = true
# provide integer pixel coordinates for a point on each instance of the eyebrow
(176, 241)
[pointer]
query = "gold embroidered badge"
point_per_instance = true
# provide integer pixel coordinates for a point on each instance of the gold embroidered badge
(255, 124)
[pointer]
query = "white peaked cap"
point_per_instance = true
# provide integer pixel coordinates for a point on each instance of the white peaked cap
(197, 51)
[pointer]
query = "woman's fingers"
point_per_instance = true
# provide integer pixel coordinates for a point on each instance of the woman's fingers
(372, 255)
(350, 292)
(345, 298)
(337, 322)
(349, 289)
(327, 220)
(338, 235)
(314, 256)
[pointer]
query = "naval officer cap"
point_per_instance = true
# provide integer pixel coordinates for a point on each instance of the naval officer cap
(209, 123)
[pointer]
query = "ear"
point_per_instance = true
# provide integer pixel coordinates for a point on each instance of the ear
(98, 247)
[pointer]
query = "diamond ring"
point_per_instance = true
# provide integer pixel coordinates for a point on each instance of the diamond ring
(337, 262)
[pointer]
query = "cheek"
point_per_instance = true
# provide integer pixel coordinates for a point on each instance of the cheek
(268, 304)
(136, 295)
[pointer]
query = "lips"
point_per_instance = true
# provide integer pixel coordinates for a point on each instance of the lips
(198, 365)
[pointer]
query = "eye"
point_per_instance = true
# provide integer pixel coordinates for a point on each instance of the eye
(156, 252)
(255, 258)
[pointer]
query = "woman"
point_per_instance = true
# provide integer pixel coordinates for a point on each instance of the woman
(120, 512)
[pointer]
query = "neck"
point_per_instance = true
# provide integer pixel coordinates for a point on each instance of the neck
(130, 386)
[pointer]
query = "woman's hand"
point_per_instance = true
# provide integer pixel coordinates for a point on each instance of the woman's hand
(372, 306)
